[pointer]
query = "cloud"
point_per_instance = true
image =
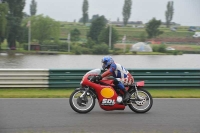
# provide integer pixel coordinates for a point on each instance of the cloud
(186, 12)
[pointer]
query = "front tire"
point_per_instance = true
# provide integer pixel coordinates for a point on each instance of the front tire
(81, 106)
(141, 106)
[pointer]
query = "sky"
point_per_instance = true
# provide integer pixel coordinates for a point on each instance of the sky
(186, 12)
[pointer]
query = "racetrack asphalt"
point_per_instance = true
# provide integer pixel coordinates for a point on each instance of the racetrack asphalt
(56, 116)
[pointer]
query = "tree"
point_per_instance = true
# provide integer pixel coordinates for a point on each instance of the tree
(96, 28)
(126, 11)
(94, 17)
(44, 28)
(90, 43)
(152, 28)
(23, 38)
(169, 13)
(75, 35)
(3, 21)
(85, 11)
(25, 15)
(80, 20)
(14, 18)
(104, 36)
(33, 7)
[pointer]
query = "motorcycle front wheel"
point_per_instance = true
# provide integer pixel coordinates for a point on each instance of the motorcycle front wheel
(142, 103)
(81, 104)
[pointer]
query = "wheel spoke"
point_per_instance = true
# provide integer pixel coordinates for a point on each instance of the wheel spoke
(82, 104)
(142, 103)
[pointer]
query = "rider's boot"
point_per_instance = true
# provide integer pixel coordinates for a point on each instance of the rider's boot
(126, 95)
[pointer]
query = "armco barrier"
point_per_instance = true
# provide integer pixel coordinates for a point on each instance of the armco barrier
(17, 78)
(154, 78)
(70, 78)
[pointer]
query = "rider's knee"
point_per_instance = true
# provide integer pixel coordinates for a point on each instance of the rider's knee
(121, 86)
(115, 82)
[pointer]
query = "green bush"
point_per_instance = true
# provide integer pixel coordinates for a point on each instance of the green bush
(76, 49)
(100, 49)
(160, 48)
(155, 48)
(191, 52)
(134, 52)
(85, 50)
(63, 47)
(117, 51)
(174, 52)
(25, 46)
(54, 46)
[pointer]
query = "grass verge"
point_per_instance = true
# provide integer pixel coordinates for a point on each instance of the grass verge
(65, 93)
(175, 93)
(35, 93)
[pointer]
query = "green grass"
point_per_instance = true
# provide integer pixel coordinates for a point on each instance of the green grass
(175, 93)
(196, 47)
(35, 93)
(65, 93)
(130, 32)
(150, 53)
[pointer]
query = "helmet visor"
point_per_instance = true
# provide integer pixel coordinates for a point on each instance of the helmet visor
(103, 65)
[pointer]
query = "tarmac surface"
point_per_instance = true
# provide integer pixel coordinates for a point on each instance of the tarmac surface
(56, 116)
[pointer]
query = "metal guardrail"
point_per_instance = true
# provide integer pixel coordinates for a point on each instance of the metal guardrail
(70, 78)
(17, 78)
(154, 78)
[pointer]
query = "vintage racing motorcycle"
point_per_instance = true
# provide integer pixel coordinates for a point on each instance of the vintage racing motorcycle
(82, 100)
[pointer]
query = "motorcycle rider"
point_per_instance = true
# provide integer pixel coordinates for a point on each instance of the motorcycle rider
(121, 75)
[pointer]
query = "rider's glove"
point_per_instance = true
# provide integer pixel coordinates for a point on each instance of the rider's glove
(98, 78)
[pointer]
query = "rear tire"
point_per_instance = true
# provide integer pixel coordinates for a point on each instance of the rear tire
(73, 101)
(139, 106)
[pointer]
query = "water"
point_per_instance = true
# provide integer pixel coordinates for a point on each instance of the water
(20, 61)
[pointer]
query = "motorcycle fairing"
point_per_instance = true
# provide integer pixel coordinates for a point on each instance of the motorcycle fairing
(107, 98)
(106, 94)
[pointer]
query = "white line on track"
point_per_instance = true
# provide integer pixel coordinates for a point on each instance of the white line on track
(68, 98)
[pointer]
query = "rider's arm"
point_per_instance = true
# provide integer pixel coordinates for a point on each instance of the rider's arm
(106, 74)
(110, 71)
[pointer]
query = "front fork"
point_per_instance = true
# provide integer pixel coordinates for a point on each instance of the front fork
(86, 91)
(137, 97)
(82, 99)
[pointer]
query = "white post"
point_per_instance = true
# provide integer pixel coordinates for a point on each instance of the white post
(29, 35)
(110, 34)
(69, 42)
(124, 41)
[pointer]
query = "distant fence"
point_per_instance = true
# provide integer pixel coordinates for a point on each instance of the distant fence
(17, 78)
(70, 78)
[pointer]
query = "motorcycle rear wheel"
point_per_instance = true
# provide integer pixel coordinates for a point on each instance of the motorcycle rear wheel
(81, 106)
(141, 106)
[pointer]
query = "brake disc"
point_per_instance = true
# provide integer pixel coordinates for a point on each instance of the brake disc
(141, 102)
(82, 102)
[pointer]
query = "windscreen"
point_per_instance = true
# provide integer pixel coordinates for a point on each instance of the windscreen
(94, 72)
